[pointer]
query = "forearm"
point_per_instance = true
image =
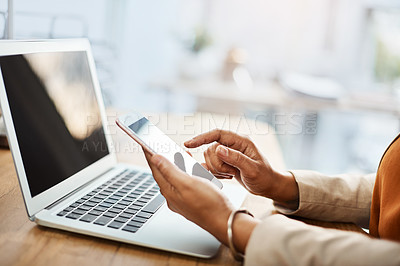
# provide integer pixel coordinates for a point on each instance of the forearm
(279, 240)
(344, 198)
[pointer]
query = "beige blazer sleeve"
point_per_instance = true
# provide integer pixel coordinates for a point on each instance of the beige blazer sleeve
(279, 240)
(341, 198)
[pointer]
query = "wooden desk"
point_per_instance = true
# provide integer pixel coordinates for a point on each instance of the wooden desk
(23, 242)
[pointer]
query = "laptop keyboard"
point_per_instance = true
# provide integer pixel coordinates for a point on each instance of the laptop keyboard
(125, 202)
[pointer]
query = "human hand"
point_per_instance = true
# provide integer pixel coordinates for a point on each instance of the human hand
(197, 199)
(236, 155)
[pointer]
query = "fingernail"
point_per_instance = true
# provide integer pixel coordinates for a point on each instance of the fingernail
(222, 150)
(188, 141)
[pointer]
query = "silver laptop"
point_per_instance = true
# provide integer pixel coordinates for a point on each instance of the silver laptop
(62, 150)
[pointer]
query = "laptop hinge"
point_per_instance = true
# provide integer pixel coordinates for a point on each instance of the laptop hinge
(74, 191)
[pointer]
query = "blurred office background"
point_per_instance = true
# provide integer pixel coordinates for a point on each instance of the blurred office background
(324, 73)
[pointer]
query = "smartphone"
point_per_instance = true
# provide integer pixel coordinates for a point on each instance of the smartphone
(153, 140)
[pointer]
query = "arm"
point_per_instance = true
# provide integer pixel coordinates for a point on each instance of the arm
(275, 241)
(305, 193)
(279, 240)
(344, 198)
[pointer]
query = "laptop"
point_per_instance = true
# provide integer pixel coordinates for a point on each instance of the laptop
(68, 173)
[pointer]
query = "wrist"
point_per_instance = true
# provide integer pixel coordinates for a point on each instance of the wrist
(219, 225)
(242, 227)
(286, 190)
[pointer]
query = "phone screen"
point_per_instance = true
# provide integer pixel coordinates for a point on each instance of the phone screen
(160, 143)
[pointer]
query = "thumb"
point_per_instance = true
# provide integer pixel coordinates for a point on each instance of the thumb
(170, 172)
(236, 159)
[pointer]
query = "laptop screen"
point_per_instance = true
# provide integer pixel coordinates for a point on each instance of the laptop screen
(55, 113)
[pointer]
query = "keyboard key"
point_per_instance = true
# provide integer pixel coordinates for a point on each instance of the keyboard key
(124, 202)
(134, 208)
(80, 201)
(73, 216)
(114, 198)
(130, 211)
(130, 229)
(121, 219)
(80, 211)
(115, 225)
(62, 213)
(96, 200)
(153, 206)
(88, 218)
(110, 201)
(103, 220)
(119, 206)
(90, 203)
(106, 205)
(115, 210)
(96, 212)
(142, 214)
(131, 197)
(132, 173)
(85, 207)
(68, 209)
(146, 198)
(135, 224)
(111, 214)
(126, 215)
(74, 205)
(100, 209)
(139, 203)
(128, 200)
(139, 219)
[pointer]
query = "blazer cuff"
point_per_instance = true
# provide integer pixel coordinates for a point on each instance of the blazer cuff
(344, 198)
